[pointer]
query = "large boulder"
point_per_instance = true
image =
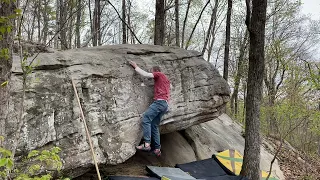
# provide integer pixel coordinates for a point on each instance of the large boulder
(175, 150)
(113, 98)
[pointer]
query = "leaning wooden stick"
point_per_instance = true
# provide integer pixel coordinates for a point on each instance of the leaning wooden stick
(87, 131)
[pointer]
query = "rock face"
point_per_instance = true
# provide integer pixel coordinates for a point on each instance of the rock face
(175, 150)
(113, 97)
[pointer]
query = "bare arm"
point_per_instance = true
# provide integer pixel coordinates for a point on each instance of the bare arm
(140, 71)
(143, 73)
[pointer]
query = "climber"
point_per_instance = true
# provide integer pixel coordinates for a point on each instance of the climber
(152, 116)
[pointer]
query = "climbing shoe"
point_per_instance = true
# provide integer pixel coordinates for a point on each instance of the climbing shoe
(143, 147)
(157, 152)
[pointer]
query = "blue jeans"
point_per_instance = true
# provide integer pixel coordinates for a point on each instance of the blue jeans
(151, 120)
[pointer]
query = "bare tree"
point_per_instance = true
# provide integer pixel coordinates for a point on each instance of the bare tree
(214, 30)
(30, 33)
(194, 27)
(227, 43)
(129, 28)
(39, 19)
(129, 23)
(70, 26)
(256, 27)
(91, 21)
(119, 16)
(45, 15)
(176, 4)
(211, 26)
(78, 23)
(63, 19)
(124, 27)
(287, 41)
(56, 40)
(96, 23)
(239, 75)
(159, 27)
(6, 9)
(185, 23)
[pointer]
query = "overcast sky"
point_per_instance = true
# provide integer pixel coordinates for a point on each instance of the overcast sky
(312, 8)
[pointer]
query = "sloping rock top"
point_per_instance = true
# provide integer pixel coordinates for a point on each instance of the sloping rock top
(113, 97)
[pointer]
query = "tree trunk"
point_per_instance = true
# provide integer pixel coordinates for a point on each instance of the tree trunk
(45, 22)
(39, 20)
(227, 43)
(6, 42)
(78, 23)
(62, 28)
(168, 34)
(124, 27)
(91, 21)
(273, 125)
(99, 24)
(211, 25)
(30, 36)
(18, 21)
(176, 5)
(319, 110)
(239, 75)
(185, 23)
(133, 40)
(244, 87)
(95, 23)
(159, 23)
(70, 22)
(96, 40)
(318, 145)
(256, 27)
(56, 40)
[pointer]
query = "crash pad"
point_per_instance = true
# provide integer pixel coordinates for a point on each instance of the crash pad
(167, 171)
(130, 178)
(231, 161)
(202, 168)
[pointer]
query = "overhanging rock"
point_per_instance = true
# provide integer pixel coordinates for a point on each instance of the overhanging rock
(113, 97)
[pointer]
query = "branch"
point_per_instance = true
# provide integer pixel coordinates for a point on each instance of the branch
(282, 77)
(273, 78)
(169, 7)
(172, 6)
(194, 28)
(281, 143)
(313, 79)
(276, 10)
(265, 77)
(124, 22)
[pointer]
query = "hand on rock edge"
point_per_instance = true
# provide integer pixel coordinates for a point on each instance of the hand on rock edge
(133, 64)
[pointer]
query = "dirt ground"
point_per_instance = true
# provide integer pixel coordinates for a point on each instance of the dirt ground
(135, 166)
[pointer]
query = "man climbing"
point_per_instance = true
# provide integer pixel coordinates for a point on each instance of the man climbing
(152, 117)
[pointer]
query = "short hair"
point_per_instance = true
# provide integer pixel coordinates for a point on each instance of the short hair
(156, 69)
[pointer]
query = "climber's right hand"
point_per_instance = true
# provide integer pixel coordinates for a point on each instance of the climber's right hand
(133, 64)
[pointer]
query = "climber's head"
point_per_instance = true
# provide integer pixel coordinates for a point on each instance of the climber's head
(155, 69)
